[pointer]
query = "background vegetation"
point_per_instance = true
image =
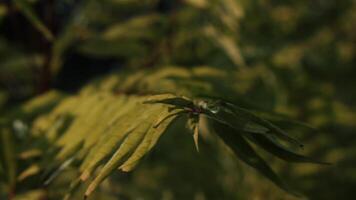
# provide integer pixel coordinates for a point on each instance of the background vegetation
(286, 61)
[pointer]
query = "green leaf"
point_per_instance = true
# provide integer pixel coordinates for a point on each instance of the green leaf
(31, 195)
(102, 125)
(147, 143)
(196, 137)
(273, 129)
(30, 171)
(130, 143)
(193, 125)
(180, 102)
(229, 118)
(131, 28)
(271, 145)
(8, 157)
(117, 132)
(243, 150)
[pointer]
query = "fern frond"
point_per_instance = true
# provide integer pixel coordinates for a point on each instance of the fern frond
(114, 122)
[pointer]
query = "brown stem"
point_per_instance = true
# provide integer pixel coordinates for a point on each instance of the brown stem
(45, 75)
(11, 194)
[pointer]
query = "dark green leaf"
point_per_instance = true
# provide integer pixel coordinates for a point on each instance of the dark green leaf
(273, 129)
(176, 101)
(271, 145)
(243, 150)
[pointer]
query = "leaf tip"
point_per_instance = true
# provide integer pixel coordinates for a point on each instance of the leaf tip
(196, 138)
(84, 176)
(89, 190)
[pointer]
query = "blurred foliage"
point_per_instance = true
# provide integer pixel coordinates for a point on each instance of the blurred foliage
(294, 58)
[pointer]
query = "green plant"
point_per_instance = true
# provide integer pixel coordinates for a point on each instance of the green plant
(184, 66)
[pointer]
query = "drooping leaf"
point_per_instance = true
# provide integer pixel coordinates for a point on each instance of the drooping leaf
(193, 125)
(271, 145)
(103, 125)
(196, 136)
(112, 139)
(226, 116)
(243, 150)
(131, 142)
(147, 143)
(128, 146)
(273, 129)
